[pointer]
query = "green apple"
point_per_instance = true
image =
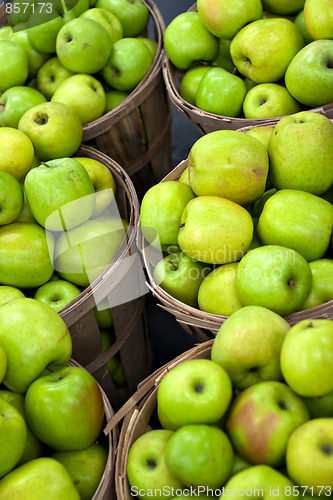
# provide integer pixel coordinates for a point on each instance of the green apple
(181, 276)
(57, 294)
(11, 198)
(190, 81)
(41, 339)
(275, 277)
(13, 437)
(265, 414)
(102, 180)
(133, 14)
(312, 63)
(283, 7)
(224, 18)
(223, 58)
(320, 406)
(300, 153)
(200, 455)
(115, 366)
(13, 65)
(322, 283)
(261, 333)
(262, 133)
(310, 455)
(24, 255)
(54, 129)
(16, 152)
(80, 6)
(280, 35)
(9, 293)
(187, 40)
(114, 98)
(260, 480)
(108, 20)
(50, 76)
(25, 215)
(82, 253)
(229, 164)
(146, 469)
(258, 206)
(3, 364)
(86, 468)
(33, 447)
(282, 222)
(308, 370)
(217, 294)
(300, 23)
(318, 17)
(129, 61)
(215, 230)
(60, 194)
(43, 31)
(5, 32)
(15, 101)
(83, 45)
(103, 314)
(40, 478)
(84, 94)
(35, 58)
(221, 93)
(161, 210)
(268, 100)
(197, 391)
(152, 45)
(65, 409)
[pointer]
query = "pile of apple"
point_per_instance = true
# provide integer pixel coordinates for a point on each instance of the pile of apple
(254, 58)
(87, 54)
(250, 220)
(51, 413)
(254, 420)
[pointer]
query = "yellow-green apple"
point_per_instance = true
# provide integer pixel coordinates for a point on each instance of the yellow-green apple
(181, 276)
(43, 31)
(184, 177)
(318, 16)
(261, 420)
(187, 40)
(41, 478)
(84, 94)
(15, 101)
(260, 480)
(9, 293)
(133, 14)
(215, 230)
(13, 65)
(300, 23)
(223, 58)
(55, 130)
(11, 198)
(200, 455)
(314, 61)
(60, 194)
(13, 437)
(83, 45)
(282, 222)
(57, 294)
(129, 61)
(221, 93)
(16, 152)
(261, 333)
(275, 277)
(217, 294)
(161, 210)
(33, 447)
(34, 337)
(197, 391)
(283, 7)
(25, 215)
(82, 253)
(146, 467)
(3, 364)
(24, 255)
(114, 98)
(309, 369)
(65, 409)
(320, 406)
(268, 100)
(310, 456)
(5, 32)
(50, 76)
(280, 35)
(86, 467)
(262, 133)
(229, 164)
(190, 81)
(108, 20)
(322, 283)
(300, 153)
(224, 18)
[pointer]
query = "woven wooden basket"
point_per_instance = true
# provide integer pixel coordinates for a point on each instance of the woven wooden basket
(129, 321)
(208, 122)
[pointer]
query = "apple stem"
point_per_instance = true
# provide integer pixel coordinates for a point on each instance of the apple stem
(172, 263)
(182, 225)
(45, 164)
(50, 369)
